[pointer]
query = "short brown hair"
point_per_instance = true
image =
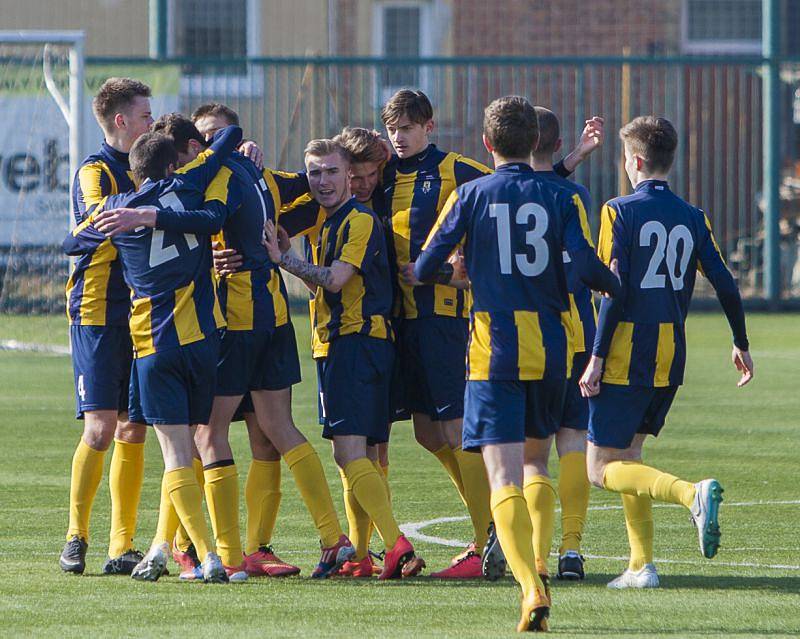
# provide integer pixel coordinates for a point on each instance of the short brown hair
(114, 95)
(653, 139)
(363, 144)
(323, 146)
(180, 128)
(216, 109)
(510, 125)
(549, 131)
(413, 104)
(151, 156)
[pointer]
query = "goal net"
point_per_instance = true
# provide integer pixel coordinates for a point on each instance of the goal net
(41, 108)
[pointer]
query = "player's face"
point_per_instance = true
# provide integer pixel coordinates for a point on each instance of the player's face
(208, 125)
(193, 149)
(364, 179)
(409, 138)
(631, 166)
(137, 118)
(328, 180)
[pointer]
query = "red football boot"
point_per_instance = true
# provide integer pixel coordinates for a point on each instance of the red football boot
(468, 567)
(401, 561)
(333, 558)
(265, 563)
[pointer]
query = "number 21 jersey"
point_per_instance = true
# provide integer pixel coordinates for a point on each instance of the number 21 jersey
(659, 242)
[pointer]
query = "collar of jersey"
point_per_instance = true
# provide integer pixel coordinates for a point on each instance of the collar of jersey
(419, 158)
(119, 156)
(650, 185)
(515, 167)
(343, 210)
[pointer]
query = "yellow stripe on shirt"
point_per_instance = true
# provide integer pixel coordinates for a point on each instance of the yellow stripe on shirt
(618, 362)
(530, 354)
(665, 354)
(480, 346)
(606, 238)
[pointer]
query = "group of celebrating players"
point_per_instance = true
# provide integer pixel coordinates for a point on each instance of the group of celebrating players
(441, 290)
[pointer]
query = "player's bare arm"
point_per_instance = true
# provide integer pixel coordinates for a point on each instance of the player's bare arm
(591, 139)
(331, 278)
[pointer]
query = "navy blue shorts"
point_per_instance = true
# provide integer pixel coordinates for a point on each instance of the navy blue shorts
(507, 412)
(356, 381)
(101, 366)
(320, 362)
(432, 353)
(618, 413)
(282, 364)
(576, 407)
(242, 361)
(176, 386)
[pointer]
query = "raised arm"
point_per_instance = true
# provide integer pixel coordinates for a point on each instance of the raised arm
(204, 167)
(445, 236)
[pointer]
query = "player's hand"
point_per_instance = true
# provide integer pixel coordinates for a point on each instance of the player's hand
(460, 278)
(283, 239)
(272, 242)
(226, 261)
(590, 380)
(387, 146)
(250, 149)
(744, 364)
(116, 221)
(592, 137)
(407, 273)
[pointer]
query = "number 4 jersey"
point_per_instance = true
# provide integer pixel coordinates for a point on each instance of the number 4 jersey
(514, 226)
(658, 241)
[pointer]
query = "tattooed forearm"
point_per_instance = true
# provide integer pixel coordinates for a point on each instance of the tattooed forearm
(319, 275)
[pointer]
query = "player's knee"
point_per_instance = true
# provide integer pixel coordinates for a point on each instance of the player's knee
(595, 471)
(429, 438)
(98, 430)
(130, 432)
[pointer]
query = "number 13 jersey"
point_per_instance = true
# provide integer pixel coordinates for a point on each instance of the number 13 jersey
(659, 242)
(514, 227)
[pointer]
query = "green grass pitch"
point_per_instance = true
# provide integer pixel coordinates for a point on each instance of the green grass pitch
(747, 438)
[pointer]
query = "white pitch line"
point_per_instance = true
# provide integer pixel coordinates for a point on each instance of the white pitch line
(414, 531)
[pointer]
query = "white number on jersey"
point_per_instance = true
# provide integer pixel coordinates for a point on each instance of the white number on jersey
(666, 248)
(160, 253)
(81, 388)
(533, 238)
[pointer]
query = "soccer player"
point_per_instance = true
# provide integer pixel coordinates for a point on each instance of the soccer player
(513, 227)
(98, 302)
(573, 483)
(352, 303)
(273, 374)
(174, 316)
(656, 242)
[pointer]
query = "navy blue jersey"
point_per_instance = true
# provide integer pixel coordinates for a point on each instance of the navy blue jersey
(514, 227)
(584, 315)
(168, 268)
(659, 242)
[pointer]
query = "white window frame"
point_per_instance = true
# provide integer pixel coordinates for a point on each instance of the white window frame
(241, 84)
(713, 47)
(430, 10)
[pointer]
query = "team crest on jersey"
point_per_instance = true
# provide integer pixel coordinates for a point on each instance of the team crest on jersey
(426, 186)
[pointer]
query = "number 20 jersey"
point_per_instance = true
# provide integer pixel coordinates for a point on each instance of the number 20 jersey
(517, 226)
(659, 242)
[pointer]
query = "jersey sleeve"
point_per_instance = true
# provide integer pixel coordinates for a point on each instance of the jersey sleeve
(285, 187)
(84, 238)
(92, 184)
(301, 217)
(466, 170)
(447, 233)
(360, 243)
(201, 171)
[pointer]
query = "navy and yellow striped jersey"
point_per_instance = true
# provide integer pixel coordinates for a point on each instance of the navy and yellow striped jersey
(168, 268)
(96, 291)
(414, 191)
(353, 234)
(514, 227)
(581, 306)
(255, 296)
(659, 242)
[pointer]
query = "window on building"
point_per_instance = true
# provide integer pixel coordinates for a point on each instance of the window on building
(721, 26)
(209, 29)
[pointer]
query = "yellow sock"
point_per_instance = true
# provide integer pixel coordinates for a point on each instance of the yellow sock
(476, 492)
(639, 522)
(514, 531)
(541, 499)
(369, 490)
(383, 473)
(448, 460)
(125, 483)
(222, 499)
(262, 494)
(182, 541)
(573, 492)
(87, 471)
(304, 464)
(358, 521)
(187, 498)
(168, 521)
(634, 478)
